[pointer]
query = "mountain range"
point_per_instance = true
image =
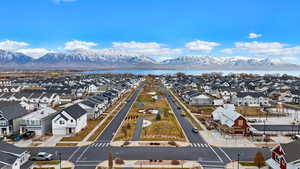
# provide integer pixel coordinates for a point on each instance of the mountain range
(90, 59)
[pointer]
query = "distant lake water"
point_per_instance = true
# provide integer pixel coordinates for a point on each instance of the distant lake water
(195, 72)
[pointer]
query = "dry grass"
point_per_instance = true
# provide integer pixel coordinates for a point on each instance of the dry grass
(165, 129)
(250, 111)
(66, 144)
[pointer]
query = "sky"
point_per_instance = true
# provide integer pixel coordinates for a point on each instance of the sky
(159, 29)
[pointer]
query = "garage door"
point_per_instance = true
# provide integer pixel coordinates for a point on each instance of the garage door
(59, 131)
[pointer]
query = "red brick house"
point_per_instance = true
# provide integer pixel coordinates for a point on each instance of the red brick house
(285, 156)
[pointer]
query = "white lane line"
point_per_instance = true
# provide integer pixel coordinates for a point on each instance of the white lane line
(225, 153)
(205, 145)
(199, 145)
(216, 153)
(107, 144)
(73, 153)
(84, 151)
(99, 145)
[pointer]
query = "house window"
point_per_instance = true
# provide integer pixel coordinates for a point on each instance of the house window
(61, 122)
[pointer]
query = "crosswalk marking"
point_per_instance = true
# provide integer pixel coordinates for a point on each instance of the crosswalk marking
(100, 144)
(199, 145)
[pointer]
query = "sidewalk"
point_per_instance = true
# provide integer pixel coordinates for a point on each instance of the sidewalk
(234, 165)
(64, 164)
(147, 164)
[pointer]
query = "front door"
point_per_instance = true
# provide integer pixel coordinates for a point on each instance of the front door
(70, 131)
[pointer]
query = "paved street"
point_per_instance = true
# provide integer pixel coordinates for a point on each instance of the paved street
(209, 156)
(293, 128)
(107, 134)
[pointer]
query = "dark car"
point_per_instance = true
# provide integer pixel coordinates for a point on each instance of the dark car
(195, 130)
(28, 134)
(42, 156)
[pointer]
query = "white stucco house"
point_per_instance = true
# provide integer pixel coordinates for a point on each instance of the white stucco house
(70, 120)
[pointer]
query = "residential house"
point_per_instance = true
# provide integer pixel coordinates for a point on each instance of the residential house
(12, 157)
(252, 99)
(69, 121)
(285, 156)
(39, 121)
(10, 114)
(228, 119)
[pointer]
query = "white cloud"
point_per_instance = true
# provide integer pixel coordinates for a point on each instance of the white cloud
(202, 46)
(227, 51)
(12, 45)
(35, 52)
(254, 35)
(136, 45)
(76, 44)
(267, 48)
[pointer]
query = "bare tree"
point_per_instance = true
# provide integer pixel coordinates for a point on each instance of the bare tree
(110, 160)
(259, 159)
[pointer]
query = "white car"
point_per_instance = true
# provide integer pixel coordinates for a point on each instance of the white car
(42, 156)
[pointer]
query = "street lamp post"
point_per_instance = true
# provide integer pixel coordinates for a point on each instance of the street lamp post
(238, 160)
(59, 154)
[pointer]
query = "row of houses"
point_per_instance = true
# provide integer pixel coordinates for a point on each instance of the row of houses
(199, 90)
(17, 118)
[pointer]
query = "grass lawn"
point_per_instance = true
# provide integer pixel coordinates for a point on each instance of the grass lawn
(66, 144)
(247, 163)
(100, 129)
(160, 130)
(166, 129)
(250, 111)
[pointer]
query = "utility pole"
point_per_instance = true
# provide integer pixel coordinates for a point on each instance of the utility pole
(59, 154)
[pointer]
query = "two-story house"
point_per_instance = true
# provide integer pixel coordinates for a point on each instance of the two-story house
(69, 121)
(39, 121)
(10, 113)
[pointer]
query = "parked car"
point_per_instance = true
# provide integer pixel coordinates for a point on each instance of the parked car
(42, 156)
(28, 135)
(195, 130)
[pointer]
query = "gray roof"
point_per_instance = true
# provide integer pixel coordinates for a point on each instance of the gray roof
(252, 94)
(75, 111)
(7, 147)
(11, 110)
(291, 150)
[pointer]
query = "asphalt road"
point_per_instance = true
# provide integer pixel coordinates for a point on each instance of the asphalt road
(184, 122)
(293, 128)
(87, 157)
(107, 134)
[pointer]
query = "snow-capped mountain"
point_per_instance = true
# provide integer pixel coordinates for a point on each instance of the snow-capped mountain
(220, 61)
(112, 58)
(7, 57)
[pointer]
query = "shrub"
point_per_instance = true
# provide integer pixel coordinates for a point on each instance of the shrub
(119, 161)
(126, 143)
(175, 162)
(172, 143)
